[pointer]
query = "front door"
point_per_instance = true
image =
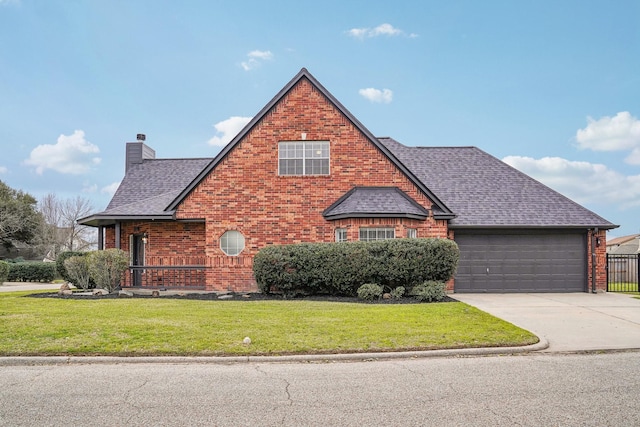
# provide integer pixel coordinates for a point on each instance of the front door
(137, 258)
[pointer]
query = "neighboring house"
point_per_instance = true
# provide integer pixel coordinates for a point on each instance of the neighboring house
(625, 245)
(623, 262)
(306, 170)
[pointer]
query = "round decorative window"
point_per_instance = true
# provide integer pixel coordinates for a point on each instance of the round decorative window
(232, 242)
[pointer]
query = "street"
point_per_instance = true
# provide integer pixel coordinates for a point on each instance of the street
(528, 390)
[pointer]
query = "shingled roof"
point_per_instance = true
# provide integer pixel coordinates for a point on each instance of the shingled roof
(148, 189)
(483, 191)
(375, 202)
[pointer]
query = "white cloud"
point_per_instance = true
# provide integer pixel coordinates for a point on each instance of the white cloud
(228, 129)
(89, 188)
(582, 182)
(376, 95)
(256, 58)
(111, 188)
(381, 30)
(71, 154)
(3, 170)
(618, 133)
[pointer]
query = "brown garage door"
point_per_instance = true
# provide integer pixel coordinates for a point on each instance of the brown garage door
(521, 262)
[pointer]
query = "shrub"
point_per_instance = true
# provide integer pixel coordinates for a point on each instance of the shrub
(31, 272)
(398, 292)
(107, 266)
(339, 268)
(370, 292)
(429, 291)
(60, 260)
(4, 271)
(77, 268)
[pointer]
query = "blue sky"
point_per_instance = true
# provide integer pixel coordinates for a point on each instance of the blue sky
(551, 87)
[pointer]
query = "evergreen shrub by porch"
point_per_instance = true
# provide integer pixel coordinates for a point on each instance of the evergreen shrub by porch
(341, 268)
(106, 267)
(61, 258)
(4, 271)
(31, 272)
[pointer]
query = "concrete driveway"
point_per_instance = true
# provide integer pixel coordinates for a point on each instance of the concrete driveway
(569, 322)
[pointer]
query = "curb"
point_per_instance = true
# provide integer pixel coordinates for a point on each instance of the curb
(301, 358)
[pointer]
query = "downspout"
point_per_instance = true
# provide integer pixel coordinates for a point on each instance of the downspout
(593, 259)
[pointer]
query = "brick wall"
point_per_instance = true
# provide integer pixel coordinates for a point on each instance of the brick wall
(245, 193)
(601, 260)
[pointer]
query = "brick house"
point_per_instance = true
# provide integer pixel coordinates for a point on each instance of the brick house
(304, 169)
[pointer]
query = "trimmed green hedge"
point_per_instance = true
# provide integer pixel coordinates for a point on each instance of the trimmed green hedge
(31, 272)
(4, 271)
(341, 268)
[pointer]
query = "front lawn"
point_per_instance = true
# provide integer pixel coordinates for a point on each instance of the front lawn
(162, 326)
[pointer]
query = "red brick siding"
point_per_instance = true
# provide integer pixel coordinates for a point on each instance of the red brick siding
(601, 260)
(245, 193)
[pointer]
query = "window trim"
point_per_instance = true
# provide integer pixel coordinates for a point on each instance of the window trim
(341, 235)
(236, 233)
(305, 143)
(376, 230)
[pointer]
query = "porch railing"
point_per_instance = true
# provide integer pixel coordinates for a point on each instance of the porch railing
(168, 277)
(623, 273)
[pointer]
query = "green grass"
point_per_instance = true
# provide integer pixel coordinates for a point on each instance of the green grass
(131, 327)
(625, 287)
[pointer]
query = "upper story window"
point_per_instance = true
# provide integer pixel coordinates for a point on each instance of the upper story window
(303, 158)
(412, 233)
(341, 234)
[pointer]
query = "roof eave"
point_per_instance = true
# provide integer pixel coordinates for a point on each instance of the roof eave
(103, 220)
(533, 227)
(375, 215)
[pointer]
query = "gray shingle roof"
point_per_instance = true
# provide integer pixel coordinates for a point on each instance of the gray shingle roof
(149, 188)
(484, 191)
(387, 202)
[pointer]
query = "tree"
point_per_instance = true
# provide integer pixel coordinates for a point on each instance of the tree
(19, 217)
(61, 231)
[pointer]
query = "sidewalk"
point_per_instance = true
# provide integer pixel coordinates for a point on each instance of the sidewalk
(27, 286)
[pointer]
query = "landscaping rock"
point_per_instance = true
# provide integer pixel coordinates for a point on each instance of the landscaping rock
(226, 296)
(99, 292)
(155, 294)
(65, 289)
(386, 296)
(124, 293)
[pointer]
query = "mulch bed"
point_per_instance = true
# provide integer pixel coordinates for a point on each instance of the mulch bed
(257, 296)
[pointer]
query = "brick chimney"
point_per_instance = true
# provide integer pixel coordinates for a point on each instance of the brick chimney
(137, 152)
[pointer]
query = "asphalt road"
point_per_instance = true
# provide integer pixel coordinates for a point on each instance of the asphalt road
(527, 390)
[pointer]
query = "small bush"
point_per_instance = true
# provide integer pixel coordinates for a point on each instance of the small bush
(4, 271)
(398, 292)
(107, 266)
(31, 272)
(370, 292)
(429, 291)
(60, 260)
(78, 270)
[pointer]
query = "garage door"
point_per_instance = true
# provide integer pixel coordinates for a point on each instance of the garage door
(517, 262)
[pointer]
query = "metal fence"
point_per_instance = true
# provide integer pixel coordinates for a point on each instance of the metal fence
(623, 273)
(168, 277)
